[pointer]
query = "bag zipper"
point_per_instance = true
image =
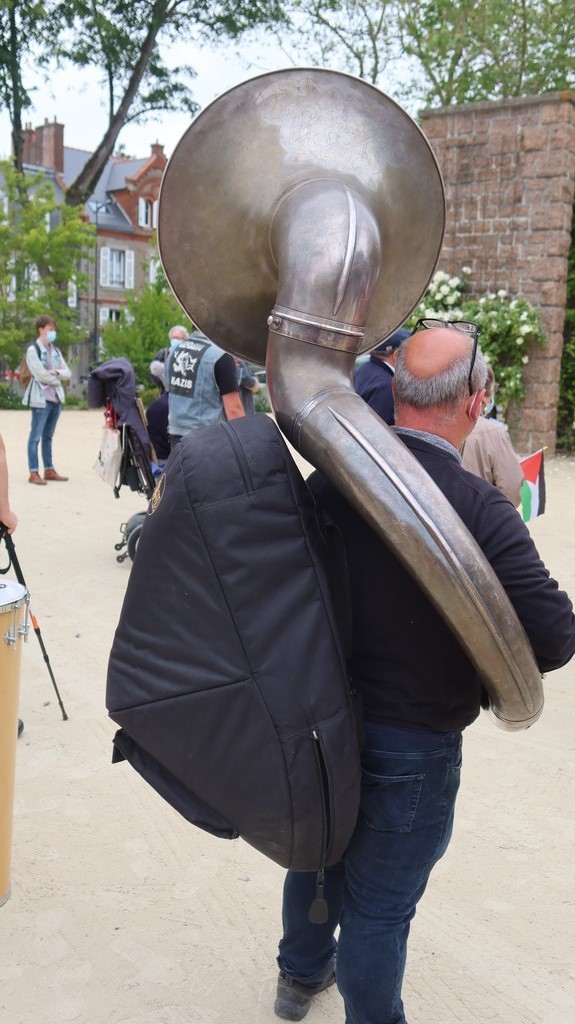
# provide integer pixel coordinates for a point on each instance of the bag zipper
(240, 456)
(318, 911)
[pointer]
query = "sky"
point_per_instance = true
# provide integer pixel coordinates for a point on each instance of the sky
(77, 101)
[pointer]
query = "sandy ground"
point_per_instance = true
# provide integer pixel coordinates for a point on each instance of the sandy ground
(122, 913)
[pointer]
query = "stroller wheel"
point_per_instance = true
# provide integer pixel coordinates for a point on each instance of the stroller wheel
(136, 520)
(133, 539)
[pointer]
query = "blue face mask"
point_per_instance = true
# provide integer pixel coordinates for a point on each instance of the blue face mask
(51, 336)
(489, 407)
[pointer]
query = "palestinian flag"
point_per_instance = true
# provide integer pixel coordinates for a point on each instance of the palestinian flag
(533, 487)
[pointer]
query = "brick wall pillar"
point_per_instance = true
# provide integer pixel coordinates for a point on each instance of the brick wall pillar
(509, 170)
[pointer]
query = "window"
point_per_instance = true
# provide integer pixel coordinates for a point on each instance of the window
(34, 280)
(116, 268)
(153, 268)
(145, 213)
(72, 294)
(107, 315)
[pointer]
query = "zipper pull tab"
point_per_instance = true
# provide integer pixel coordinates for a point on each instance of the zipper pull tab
(318, 911)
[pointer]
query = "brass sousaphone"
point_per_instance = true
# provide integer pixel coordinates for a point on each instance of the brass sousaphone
(301, 217)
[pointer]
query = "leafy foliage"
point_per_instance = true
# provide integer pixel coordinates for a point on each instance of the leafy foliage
(261, 401)
(143, 327)
(361, 38)
(126, 43)
(10, 399)
(21, 23)
(492, 50)
(41, 244)
(442, 51)
(509, 328)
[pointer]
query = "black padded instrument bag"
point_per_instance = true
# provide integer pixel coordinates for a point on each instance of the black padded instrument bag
(226, 674)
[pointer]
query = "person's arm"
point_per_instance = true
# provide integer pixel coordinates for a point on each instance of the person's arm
(233, 407)
(545, 611)
(247, 380)
(37, 368)
(7, 516)
(227, 382)
(167, 364)
(63, 370)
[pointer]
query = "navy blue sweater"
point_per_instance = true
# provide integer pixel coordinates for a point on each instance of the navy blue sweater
(372, 380)
(406, 662)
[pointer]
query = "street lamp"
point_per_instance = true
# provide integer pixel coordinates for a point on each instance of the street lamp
(96, 209)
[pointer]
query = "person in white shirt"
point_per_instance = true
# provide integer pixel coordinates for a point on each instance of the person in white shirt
(45, 397)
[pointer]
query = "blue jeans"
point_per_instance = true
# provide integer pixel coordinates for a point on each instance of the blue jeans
(409, 787)
(43, 426)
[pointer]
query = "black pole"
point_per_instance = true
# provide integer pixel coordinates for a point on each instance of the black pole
(96, 269)
(5, 536)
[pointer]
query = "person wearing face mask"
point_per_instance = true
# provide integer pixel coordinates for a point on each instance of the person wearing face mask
(45, 397)
(488, 451)
(157, 368)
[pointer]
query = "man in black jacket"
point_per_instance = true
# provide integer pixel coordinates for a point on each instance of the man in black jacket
(419, 692)
(373, 380)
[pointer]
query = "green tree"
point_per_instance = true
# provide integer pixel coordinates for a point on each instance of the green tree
(469, 51)
(124, 41)
(143, 327)
(20, 24)
(358, 36)
(41, 245)
(442, 51)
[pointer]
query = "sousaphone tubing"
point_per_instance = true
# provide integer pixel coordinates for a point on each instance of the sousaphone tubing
(301, 217)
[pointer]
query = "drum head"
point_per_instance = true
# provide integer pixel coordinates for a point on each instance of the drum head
(12, 595)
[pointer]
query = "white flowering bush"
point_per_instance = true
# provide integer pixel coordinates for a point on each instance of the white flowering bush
(508, 327)
(443, 298)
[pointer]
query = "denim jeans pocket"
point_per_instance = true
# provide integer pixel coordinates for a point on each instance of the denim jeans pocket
(389, 803)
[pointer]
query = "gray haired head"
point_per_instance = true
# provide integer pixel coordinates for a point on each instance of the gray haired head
(443, 389)
(182, 332)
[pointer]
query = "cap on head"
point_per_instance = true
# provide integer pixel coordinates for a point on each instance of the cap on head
(393, 342)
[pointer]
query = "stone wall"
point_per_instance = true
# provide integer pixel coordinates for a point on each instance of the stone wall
(509, 171)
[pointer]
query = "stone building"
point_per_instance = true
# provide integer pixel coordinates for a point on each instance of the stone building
(509, 172)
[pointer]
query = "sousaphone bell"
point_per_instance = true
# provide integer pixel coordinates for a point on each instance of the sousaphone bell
(301, 217)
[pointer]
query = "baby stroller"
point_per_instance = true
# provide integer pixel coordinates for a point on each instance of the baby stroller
(112, 386)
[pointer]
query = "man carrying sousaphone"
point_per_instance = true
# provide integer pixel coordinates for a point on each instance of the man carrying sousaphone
(420, 691)
(335, 259)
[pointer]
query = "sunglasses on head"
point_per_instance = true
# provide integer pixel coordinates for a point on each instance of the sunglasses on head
(465, 326)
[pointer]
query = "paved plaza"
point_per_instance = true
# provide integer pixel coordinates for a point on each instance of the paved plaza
(122, 913)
